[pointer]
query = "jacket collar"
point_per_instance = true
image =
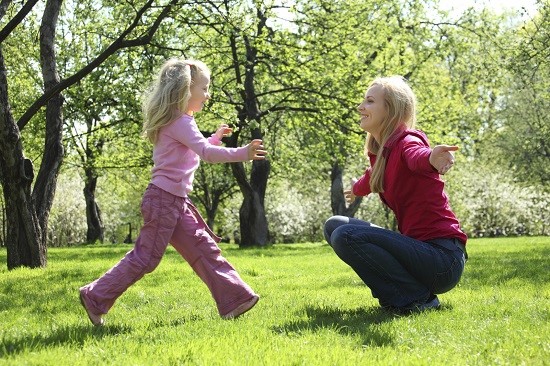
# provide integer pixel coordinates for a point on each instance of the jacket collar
(396, 136)
(393, 140)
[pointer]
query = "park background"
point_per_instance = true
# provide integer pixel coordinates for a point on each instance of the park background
(74, 164)
(74, 167)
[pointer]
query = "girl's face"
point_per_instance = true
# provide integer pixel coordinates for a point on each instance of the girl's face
(199, 94)
(373, 111)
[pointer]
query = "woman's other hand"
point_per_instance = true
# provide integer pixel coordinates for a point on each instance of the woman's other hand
(442, 158)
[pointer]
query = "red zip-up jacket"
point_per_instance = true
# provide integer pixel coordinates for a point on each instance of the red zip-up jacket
(413, 189)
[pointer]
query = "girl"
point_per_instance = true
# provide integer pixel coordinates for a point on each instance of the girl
(403, 270)
(180, 90)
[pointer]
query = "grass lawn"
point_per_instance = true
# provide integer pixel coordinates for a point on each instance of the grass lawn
(313, 310)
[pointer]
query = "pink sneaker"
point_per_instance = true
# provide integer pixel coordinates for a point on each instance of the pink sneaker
(241, 309)
(96, 320)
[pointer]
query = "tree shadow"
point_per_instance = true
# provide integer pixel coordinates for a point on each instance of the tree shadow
(362, 322)
(275, 250)
(162, 323)
(28, 293)
(88, 253)
(75, 335)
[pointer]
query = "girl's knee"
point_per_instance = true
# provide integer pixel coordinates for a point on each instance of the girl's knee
(151, 265)
(151, 261)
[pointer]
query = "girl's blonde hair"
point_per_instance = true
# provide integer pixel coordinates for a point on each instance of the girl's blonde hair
(400, 104)
(169, 94)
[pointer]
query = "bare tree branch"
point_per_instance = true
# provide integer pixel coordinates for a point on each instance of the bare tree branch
(118, 44)
(18, 18)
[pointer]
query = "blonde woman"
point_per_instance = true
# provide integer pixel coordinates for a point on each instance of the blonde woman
(406, 269)
(179, 91)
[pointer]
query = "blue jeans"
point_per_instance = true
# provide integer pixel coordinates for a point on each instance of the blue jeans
(399, 270)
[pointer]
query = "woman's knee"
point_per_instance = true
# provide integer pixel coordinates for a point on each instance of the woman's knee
(332, 224)
(339, 239)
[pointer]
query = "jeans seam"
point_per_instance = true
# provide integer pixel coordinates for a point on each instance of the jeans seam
(450, 272)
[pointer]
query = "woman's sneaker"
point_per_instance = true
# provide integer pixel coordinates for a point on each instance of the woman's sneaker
(416, 307)
(241, 309)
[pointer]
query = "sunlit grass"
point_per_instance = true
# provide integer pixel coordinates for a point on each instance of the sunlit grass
(313, 311)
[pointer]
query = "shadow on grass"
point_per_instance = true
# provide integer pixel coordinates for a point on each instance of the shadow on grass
(362, 322)
(277, 250)
(162, 323)
(74, 336)
(89, 253)
(28, 292)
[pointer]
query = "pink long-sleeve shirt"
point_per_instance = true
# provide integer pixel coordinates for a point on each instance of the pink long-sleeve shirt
(177, 153)
(413, 189)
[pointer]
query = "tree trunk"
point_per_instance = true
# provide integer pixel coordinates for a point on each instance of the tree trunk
(28, 213)
(3, 222)
(253, 222)
(96, 229)
(337, 198)
(212, 210)
(25, 245)
(46, 181)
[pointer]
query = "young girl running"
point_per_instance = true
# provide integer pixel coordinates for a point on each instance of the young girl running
(180, 90)
(406, 269)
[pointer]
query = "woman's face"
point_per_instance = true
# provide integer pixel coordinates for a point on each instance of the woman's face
(373, 111)
(199, 94)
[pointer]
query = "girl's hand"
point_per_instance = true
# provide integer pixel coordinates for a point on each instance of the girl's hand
(256, 150)
(442, 158)
(223, 130)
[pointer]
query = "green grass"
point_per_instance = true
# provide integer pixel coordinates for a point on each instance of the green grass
(313, 311)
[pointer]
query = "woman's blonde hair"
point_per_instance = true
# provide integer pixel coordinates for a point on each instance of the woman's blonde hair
(169, 94)
(400, 104)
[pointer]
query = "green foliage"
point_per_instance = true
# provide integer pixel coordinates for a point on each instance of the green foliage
(522, 141)
(481, 82)
(313, 310)
(67, 221)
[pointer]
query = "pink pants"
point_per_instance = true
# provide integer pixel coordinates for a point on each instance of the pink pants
(170, 219)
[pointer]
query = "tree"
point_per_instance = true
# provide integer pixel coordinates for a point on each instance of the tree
(28, 207)
(523, 138)
(104, 127)
(213, 184)
(348, 46)
(248, 57)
